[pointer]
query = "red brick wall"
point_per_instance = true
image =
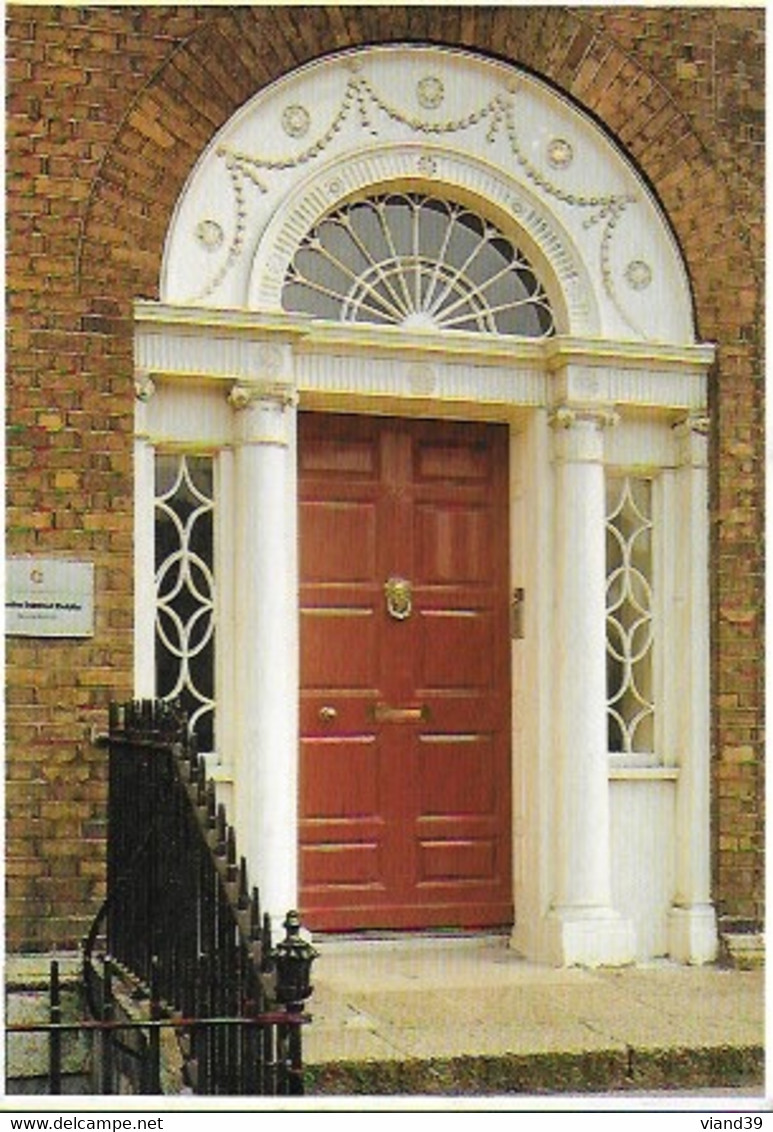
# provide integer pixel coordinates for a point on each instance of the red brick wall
(108, 108)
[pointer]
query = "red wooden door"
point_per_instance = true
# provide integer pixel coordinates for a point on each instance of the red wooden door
(405, 749)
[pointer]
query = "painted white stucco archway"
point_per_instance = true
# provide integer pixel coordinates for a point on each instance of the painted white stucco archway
(611, 851)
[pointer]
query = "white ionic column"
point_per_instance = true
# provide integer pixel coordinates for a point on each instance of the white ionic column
(582, 927)
(264, 638)
(692, 922)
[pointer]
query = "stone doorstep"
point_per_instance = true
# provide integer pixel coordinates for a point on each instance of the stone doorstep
(594, 1072)
(598, 1071)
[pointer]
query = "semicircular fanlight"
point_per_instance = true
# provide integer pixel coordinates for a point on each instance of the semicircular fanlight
(406, 259)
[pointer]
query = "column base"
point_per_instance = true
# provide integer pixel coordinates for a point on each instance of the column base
(589, 937)
(692, 934)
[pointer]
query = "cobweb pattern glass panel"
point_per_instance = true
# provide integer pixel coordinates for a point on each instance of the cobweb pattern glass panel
(185, 587)
(630, 705)
(405, 259)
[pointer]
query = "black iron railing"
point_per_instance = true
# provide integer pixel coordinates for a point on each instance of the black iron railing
(126, 1054)
(181, 925)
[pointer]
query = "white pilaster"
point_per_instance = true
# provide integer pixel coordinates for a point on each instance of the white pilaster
(532, 563)
(144, 542)
(692, 922)
(265, 639)
(582, 927)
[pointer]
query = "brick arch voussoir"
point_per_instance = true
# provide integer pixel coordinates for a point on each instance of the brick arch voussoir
(236, 52)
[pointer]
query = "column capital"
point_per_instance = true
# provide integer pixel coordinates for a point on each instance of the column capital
(246, 394)
(263, 411)
(698, 422)
(144, 392)
(579, 432)
(691, 434)
(144, 386)
(567, 416)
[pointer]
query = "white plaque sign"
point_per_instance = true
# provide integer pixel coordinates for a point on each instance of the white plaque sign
(49, 597)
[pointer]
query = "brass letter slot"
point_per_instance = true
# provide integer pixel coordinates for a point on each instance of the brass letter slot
(382, 713)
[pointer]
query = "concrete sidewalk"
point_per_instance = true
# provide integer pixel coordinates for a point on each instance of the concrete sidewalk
(467, 1016)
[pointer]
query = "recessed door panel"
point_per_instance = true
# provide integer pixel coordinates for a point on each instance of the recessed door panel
(456, 649)
(453, 544)
(405, 753)
(458, 462)
(456, 861)
(347, 866)
(457, 776)
(339, 647)
(341, 779)
(356, 459)
(339, 543)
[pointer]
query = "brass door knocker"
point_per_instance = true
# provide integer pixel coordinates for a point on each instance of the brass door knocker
(399, 598)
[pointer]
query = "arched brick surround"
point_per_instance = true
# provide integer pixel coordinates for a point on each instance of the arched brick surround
(664, 82)
(224, 60)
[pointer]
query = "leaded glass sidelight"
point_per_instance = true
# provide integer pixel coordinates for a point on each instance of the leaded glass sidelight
(184, 546)
(630, 703)
(406, 259)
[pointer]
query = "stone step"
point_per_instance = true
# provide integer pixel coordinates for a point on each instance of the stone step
(713, 1069)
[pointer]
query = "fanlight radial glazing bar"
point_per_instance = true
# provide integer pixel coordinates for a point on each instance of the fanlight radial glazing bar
(406, 259)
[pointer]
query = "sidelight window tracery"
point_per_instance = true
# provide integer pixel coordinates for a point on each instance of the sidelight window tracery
(185, 588)
(629, 530)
